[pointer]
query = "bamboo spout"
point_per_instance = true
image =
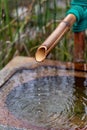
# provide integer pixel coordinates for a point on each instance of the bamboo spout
(55, 37)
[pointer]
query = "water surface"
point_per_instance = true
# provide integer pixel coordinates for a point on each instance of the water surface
(49, 101)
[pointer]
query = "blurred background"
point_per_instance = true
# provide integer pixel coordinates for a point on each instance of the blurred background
(25, 24)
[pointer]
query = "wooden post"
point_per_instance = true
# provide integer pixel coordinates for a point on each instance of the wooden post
(79, 46)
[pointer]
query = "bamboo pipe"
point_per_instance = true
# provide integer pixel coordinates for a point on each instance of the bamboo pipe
(55, 37)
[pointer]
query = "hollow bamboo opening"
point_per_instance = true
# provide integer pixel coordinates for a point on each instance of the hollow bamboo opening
(41, 53)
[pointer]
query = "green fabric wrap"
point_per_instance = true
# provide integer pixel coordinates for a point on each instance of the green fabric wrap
(79, 2)
(79, 9)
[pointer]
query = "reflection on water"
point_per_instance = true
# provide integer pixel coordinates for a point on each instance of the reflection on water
(42, 101)
(51, 101)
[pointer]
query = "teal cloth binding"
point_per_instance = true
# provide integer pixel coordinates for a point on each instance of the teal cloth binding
(79, 2)
(79, 9)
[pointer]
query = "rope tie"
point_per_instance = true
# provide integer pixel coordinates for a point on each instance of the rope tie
(67, 23)
(79, 9)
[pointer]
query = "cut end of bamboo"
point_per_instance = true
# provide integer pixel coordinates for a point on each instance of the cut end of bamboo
(40, 54)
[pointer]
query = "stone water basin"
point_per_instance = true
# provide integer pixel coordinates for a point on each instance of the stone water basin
(43, 96)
